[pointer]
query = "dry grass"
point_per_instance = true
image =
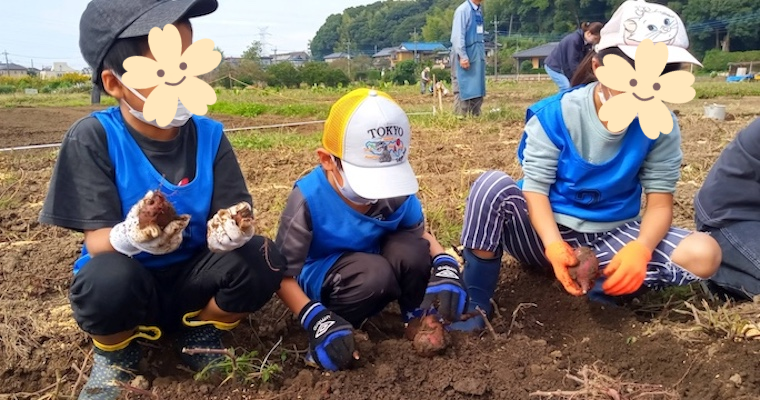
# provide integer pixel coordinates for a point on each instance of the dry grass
(729, 321)
(593, 385)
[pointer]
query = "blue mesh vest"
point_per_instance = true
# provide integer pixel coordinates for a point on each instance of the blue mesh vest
(135, 176)
(609, 191)
(339, 229)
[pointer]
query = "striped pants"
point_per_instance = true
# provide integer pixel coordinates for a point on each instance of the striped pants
(496, 218)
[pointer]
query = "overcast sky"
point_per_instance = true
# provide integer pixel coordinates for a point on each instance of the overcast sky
(48, 30)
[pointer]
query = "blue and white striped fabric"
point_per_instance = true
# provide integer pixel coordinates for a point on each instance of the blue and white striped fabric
(496, 215)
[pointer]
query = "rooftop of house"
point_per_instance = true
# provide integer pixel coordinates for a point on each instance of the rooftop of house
(337, 55)
(12, 67)
(539, 51)
(386, 52)
(296, 55)
(422, 46)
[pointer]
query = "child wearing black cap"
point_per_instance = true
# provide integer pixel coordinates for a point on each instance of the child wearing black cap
(203, 272)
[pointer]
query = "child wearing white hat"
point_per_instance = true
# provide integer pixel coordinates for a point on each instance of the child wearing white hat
(583, 185)
(353, 232)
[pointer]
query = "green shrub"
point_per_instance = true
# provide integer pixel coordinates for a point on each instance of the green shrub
(406, 71)
(441, 75)
(716, 60)
(526, 66)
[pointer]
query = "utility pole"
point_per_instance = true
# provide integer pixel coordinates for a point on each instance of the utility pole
(415, 44)
(510, 24)
(7, 64)
(496, 48)
(348, 53)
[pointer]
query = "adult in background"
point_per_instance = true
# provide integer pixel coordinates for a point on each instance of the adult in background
(468, 58)
(565, 58)
(425, 80)
(727, 206)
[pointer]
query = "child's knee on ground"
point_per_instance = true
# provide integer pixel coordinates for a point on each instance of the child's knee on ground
(699, 254)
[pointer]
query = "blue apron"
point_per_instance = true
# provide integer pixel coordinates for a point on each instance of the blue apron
(603, 192)
(339, 229)
(135, 176)
(472, 81)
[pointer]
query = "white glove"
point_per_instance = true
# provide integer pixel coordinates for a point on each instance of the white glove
(230, 228)
(128, 238)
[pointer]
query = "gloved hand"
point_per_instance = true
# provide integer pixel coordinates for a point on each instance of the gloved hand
(230, 228)
(627, 269)
(127, 237)
(561, 256)
(445, 287)
(331, 339)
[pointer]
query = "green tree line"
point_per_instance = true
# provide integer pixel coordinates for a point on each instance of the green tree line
(727, 25)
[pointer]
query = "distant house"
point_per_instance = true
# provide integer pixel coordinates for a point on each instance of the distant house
(535, 55)
(297, 58)
(408, 50)
(422, 50)
(14, 70)
(265, 61)
(385, 55)
(57, 70)
(336, 56)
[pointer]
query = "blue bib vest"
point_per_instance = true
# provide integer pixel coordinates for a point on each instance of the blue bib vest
(472, 81)
(610, 191)
(135, 176)
(339, 229)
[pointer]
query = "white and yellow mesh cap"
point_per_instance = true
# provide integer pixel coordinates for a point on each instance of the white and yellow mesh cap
(371, 134)
(637, 20)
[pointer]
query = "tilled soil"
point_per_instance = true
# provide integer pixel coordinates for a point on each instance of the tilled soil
(541, 335)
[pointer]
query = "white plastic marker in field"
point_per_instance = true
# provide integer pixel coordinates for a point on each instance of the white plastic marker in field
(174, 75)
(644, 90)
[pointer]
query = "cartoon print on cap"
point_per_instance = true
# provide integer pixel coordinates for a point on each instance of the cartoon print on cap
(386, 150)
(644, 90)
(173, 74)
(656, 25)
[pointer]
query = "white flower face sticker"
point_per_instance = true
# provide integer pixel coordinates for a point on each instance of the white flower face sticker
(645, 90)
(173, 74)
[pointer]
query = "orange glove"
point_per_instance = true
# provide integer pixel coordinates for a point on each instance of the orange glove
(561, 256)
(627, 270)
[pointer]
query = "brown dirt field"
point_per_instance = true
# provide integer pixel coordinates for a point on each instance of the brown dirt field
(40, 345)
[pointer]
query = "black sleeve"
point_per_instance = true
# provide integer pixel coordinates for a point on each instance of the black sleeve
(229, 182)
(294, 235)
(82, 194)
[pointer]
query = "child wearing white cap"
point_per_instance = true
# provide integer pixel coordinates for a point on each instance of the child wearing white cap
(583, 185)
(353, 233)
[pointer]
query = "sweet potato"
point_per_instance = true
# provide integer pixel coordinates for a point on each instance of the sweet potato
(157, 210)
(587, 269)
(427, 335)
(244, 219)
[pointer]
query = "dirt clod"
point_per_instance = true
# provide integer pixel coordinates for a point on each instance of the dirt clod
(471, 386)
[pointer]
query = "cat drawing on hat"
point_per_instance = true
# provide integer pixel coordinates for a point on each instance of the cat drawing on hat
(656, 25)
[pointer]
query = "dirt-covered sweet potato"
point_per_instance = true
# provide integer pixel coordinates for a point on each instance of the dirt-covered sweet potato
(157, 210)
(587, 269)
(428, 336)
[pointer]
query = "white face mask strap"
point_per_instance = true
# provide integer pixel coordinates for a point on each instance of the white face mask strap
(136, 93)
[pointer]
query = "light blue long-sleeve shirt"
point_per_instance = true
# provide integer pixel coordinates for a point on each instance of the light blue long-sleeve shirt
(659, 173)
(462, 20)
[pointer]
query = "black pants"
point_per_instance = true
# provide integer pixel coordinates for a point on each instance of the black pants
(113, 293)
(360, 285)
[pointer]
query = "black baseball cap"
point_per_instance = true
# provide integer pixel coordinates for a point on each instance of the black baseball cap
(105, 21)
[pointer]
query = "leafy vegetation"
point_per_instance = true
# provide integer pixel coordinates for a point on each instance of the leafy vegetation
(68, 83)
